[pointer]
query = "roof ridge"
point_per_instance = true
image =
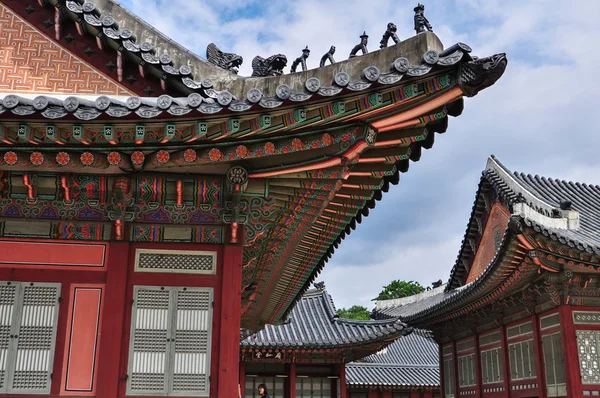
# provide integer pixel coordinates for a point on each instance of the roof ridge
(393, 365)
(493, 164)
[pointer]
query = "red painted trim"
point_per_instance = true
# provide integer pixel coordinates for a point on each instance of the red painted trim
(291, 381)
(55, 255)
(82, 337)
(539, 362)
(112, 329)
(343, 392)
(455, 365)
(505, 360)
(442, 374)
(571, 351)
(50, 275)
(242, 383)
(478, 370)
(231, 311)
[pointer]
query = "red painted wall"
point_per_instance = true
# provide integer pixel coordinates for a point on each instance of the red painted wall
(496, 223)
(567, 328)
(118, 276)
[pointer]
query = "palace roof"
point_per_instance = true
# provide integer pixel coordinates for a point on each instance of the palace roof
(411, 361)
(314, 324)
(553, 226)
(296, 159)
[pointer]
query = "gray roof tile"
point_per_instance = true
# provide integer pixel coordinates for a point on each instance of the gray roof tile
(544, 196)
(409, 361)
(313, 323)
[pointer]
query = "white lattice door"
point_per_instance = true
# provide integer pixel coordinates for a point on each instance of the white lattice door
(170, 341)
(26, 358)
(190, 354)
(148, 347)
(8, 296)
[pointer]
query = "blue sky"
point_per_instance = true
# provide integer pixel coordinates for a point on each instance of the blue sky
(540, 118)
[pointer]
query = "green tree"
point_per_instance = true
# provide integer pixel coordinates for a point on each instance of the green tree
(398, 289)
(357, 312)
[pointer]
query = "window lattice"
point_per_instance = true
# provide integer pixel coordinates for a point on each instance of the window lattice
(588, 342)
(7, 303)
(147, 362)
(549, 321)
(170, 261)
(170, 343)
(522, 360)
(554, 364)
(491, 366)
(28, 315)
(190, 358)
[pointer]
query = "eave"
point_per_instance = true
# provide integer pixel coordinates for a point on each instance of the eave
(317, 166)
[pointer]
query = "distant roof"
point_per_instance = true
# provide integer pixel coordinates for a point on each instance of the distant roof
(567, 212)
(313, 323)
(543, 198)
(409, 361)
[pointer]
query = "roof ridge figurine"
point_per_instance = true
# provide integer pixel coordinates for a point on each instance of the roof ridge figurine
(229, 61)
(328, 56)
(301, 60)
(364, 40)
(389, 33)
(421, 23)
(272, 66)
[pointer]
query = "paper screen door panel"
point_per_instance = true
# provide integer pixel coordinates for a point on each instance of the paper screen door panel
(82, 338)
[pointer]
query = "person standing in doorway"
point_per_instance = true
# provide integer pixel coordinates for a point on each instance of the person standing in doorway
(262, 390)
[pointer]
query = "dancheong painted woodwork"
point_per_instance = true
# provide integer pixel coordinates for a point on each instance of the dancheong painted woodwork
(169, 202)
(519, 316)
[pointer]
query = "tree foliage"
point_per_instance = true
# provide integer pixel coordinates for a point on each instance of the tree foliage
(357, 312)
(398, 289)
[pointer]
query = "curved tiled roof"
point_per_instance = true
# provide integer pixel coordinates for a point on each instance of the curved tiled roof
(544, 196)
(568, 212)
(584, 198)
(206, 100)
(409, 361)
(313, 323)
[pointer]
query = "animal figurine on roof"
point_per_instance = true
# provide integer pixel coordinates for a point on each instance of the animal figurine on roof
(272, 66)
(301, 60)
(228, 61)
(328, 56)
(364, 40)
(390, 32)
(421, 23)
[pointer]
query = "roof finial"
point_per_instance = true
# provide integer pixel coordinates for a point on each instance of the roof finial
(320, 286)
(301, 60)
(421, 23)
(364, 40)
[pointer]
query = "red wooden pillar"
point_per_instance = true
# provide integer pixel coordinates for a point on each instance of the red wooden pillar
(386, 394)
(442, 374)
(231, 308)
(455, 366)
(343, 393)
(505, 361)
(539, 363)
(242, 382)
(415, 394)
(478, 376)
(570, 353)
(428, 394)
(373, 394)
(291, 385)
(110, 355)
